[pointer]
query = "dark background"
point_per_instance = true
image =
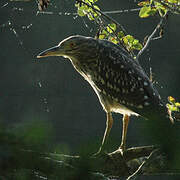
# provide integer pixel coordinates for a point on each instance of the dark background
(49, 92)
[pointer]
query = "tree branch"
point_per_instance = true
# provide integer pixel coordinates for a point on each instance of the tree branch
(145, 163)
(151, 37)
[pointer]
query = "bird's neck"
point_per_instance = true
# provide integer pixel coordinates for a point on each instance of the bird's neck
(86, 68)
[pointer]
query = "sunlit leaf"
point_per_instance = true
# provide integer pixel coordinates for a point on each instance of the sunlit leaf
(138, 46)
(152, 12)
(171, 99)
(120, 34)
(130, 38)
(172, 108)
(125, 40)
(103, 34)
(172, 1)
(111, 28)
(144, 12)
(113, 40)
(177, 104)
(96, 7)
(81, 12)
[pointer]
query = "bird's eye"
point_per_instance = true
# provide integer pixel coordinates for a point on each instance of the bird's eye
(72, 44)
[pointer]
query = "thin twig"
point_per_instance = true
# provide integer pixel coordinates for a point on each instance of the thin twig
(145, 163)
(121, 11)
(150, 37)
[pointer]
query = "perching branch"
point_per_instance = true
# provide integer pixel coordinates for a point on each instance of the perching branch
(145, 163)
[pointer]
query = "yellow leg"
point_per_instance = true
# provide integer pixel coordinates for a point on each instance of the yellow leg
(124, 132)
(109, 123)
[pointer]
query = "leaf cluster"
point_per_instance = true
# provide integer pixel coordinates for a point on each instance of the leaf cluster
(107, 30)
(152, 7)
(128, 40)
(87, 7)
(173, 105)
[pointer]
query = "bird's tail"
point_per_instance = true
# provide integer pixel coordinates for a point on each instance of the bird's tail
(162, 130)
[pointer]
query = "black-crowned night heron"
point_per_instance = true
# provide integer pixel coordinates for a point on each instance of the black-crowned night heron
(118, 80)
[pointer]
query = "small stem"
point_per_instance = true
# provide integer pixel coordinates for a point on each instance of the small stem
(151, 37)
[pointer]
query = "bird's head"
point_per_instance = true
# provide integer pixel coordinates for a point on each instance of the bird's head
(78, 47)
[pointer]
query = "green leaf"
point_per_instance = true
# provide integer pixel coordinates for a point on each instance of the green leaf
(111, 28)
(120, 34)
(152, 12)
(177, 104)
(103, 34)
(144, 12)
(113, 40)
(171, 99)
(81, 12)
(161, 9)
(172, 1)
(138, 46)
(93, 13)
(130, 38)
(96, 7)
(172, 108)
(125, 40)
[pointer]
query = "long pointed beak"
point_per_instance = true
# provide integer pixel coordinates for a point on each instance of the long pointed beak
(54, 51)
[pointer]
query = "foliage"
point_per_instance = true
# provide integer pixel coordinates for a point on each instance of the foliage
(151, 7)
(110, 31)
(173, 105)
(24, 151)
(115, 33)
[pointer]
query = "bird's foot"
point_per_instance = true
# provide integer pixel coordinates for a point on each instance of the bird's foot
(120, 150)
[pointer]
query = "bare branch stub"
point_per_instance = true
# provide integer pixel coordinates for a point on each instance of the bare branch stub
(150, 37)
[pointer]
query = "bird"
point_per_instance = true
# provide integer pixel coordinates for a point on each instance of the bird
(119, 81)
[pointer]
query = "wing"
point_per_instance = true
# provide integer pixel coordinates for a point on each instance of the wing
(125, 80)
